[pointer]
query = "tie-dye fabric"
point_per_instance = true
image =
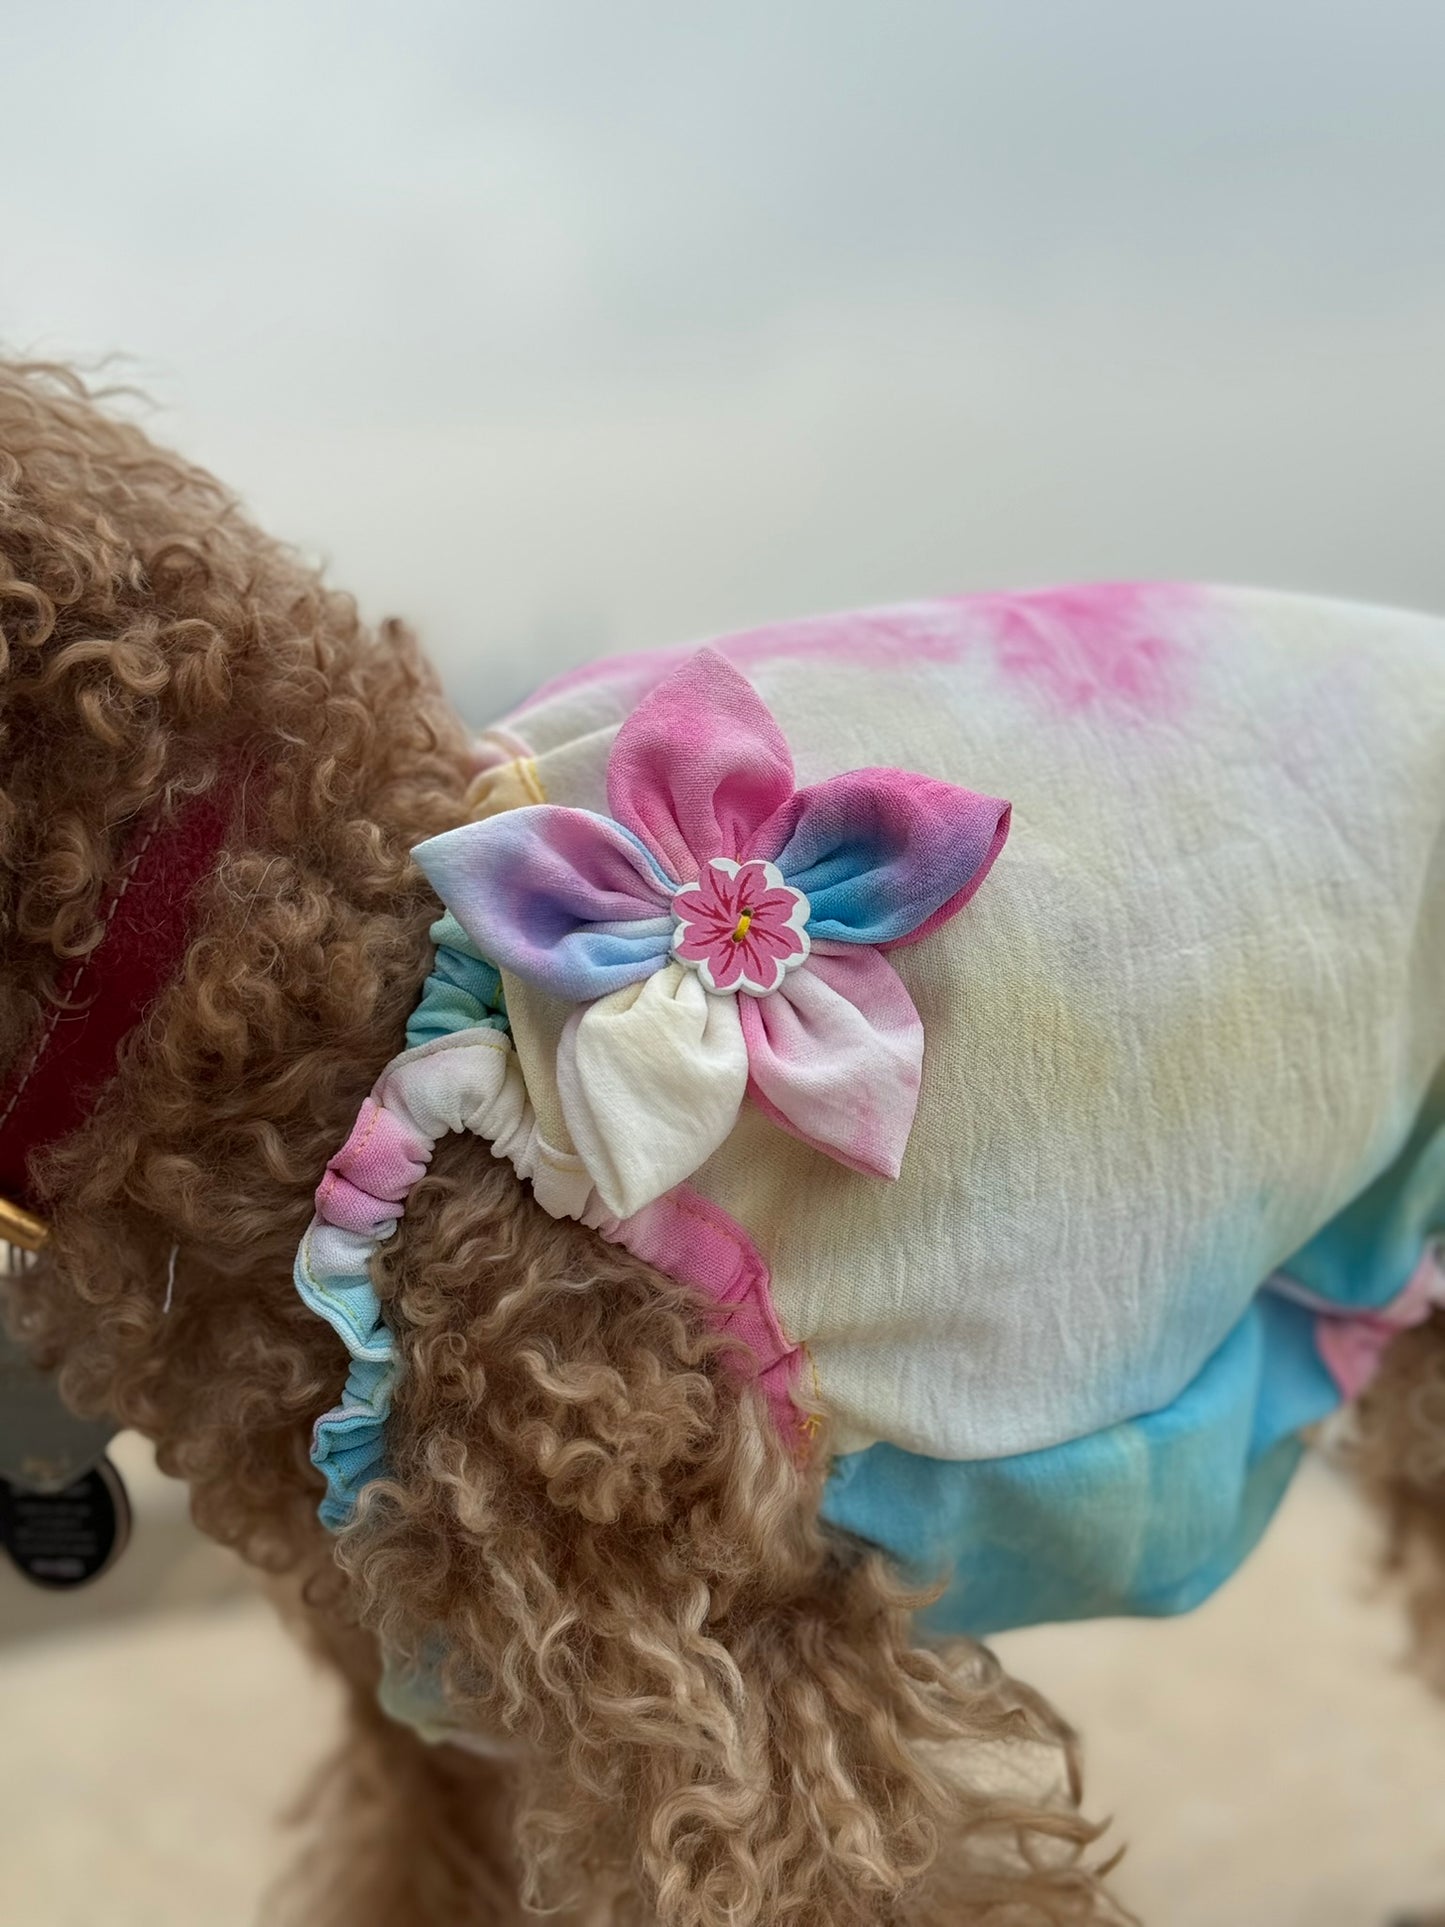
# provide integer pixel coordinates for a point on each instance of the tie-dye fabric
(1174, 1152)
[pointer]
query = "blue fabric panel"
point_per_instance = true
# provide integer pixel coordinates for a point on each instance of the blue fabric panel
(1148, 1517)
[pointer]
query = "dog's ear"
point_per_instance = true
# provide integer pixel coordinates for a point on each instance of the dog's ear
(594, 1540)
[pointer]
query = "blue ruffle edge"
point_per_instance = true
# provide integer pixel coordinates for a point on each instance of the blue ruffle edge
(463, 992)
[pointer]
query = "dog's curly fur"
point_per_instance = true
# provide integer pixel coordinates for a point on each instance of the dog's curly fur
(701, 1707)
(706, 1709)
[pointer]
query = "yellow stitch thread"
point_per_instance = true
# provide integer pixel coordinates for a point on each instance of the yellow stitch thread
(531, 777)
(812, 1422)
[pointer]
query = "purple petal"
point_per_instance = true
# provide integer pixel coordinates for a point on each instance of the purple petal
(567, 900)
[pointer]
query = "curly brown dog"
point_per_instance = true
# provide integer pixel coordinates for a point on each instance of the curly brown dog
(691, 1703)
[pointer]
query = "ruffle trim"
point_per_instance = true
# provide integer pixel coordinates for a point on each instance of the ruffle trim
(460, 1073)
(1352, 1341)
(463, 995)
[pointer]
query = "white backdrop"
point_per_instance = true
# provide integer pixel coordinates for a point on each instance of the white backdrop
(562, 327)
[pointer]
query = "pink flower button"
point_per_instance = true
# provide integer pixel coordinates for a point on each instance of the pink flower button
(740, 927)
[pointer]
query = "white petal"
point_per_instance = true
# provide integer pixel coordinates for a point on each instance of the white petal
(651, 1080)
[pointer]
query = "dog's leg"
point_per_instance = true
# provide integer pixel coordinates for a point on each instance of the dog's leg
(1399, 1453)
(397, 1832)
(1399, 1450)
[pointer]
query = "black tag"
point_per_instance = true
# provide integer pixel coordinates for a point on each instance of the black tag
(67, 1538)
(43, 1444)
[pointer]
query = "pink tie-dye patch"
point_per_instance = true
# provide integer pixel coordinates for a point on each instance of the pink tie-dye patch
(1107, 643)
(1112, 644)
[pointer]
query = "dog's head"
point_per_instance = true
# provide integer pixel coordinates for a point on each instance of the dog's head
(592, 1542)
(162, 661)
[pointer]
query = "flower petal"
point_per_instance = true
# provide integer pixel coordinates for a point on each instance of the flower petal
(651, 1080)
(884, 856)
(699, 766)
(836, 1056)
(567, 900)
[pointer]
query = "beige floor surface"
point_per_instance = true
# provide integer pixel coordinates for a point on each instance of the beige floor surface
(1267, 1757)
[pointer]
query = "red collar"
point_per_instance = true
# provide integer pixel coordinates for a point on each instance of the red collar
(53, 1087)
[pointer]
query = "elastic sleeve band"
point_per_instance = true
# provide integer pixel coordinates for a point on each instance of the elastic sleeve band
(463, 991)
(458, 1072)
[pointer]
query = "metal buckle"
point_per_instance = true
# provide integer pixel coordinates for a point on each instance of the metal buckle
(21, 1230)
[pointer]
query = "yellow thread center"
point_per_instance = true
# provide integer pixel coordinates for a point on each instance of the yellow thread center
(743, 924)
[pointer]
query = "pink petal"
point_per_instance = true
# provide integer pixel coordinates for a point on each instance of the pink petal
(883, 856)
(726, 961)
(751, 879)
(709, 899)
(699, 766)
(698, 944)
(778, 903)
(700, 911)
(835, 1057)
(772, 940)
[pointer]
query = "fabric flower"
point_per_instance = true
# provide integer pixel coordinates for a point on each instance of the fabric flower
(715, 875)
